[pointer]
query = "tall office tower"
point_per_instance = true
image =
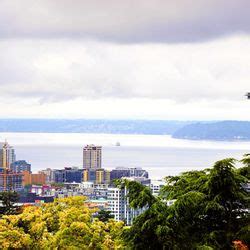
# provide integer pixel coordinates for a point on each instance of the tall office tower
(8, 179)
(7, 155)
(92, 157)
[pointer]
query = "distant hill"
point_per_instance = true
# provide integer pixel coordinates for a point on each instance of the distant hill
(224, 130)
(90, 126)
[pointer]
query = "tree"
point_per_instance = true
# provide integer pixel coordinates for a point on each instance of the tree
(64, 224)
(8, 200)
(104, 215)
(139, 196)
(209, 212)
(226, 203)
(245, 170)
(246, 160)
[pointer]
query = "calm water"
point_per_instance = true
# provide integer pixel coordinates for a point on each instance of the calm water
(159, 154)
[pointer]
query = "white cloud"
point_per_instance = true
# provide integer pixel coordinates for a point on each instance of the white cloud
(135, 108)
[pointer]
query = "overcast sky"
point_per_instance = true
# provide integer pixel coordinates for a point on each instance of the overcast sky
(141, 59)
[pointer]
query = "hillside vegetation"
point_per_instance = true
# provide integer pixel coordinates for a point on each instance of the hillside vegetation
(225, 130)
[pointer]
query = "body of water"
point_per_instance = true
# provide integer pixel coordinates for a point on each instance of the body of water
(161, 155)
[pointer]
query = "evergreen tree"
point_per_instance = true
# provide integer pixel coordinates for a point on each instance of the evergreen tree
(209, 212)
(8, 200)
(104, 215)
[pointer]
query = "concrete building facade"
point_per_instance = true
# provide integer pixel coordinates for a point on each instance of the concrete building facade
(7, 155)
(120, 172)
(118, 205)
(92, 157)
(97, 176)
(10, 181)
(33, 179)
(20, 166)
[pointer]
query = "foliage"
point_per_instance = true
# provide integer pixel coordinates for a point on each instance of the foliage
(8, 200)
(209, 212)
(139, 196)
(57, 184)
(104, 215)
(245, 171)
(64, 224)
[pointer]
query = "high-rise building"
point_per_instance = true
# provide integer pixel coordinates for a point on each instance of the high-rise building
(118, 205)
(92, 157)
(9, 180)
(116, 202)
(20, 166)
(7, 155)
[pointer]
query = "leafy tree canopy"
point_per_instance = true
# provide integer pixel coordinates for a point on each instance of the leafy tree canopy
(209, 212)
(8, 201)
(104, 215)
(64, 224)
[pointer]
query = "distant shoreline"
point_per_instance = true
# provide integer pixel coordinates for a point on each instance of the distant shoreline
(187, 130)
(101, 133)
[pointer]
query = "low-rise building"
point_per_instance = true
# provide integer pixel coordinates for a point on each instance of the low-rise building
(98, 176)
(66, 175)
(73, 174)
(100, 203)
(33, 179)
(49, 173)
(120, 172)
(155, 186)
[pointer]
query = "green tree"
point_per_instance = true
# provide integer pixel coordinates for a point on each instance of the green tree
(209, 212)
(104, 215)
(227, 203)
(245, 170)
(8, 200)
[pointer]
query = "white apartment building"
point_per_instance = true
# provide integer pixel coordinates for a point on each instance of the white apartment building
(155, 186)
(118, 205)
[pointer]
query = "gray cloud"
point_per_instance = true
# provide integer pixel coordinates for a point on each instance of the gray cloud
(59, 70)
(127, 21)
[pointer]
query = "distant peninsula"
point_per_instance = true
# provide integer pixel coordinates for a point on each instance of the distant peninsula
(147, 127)
(223, 130)
(191, 130)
